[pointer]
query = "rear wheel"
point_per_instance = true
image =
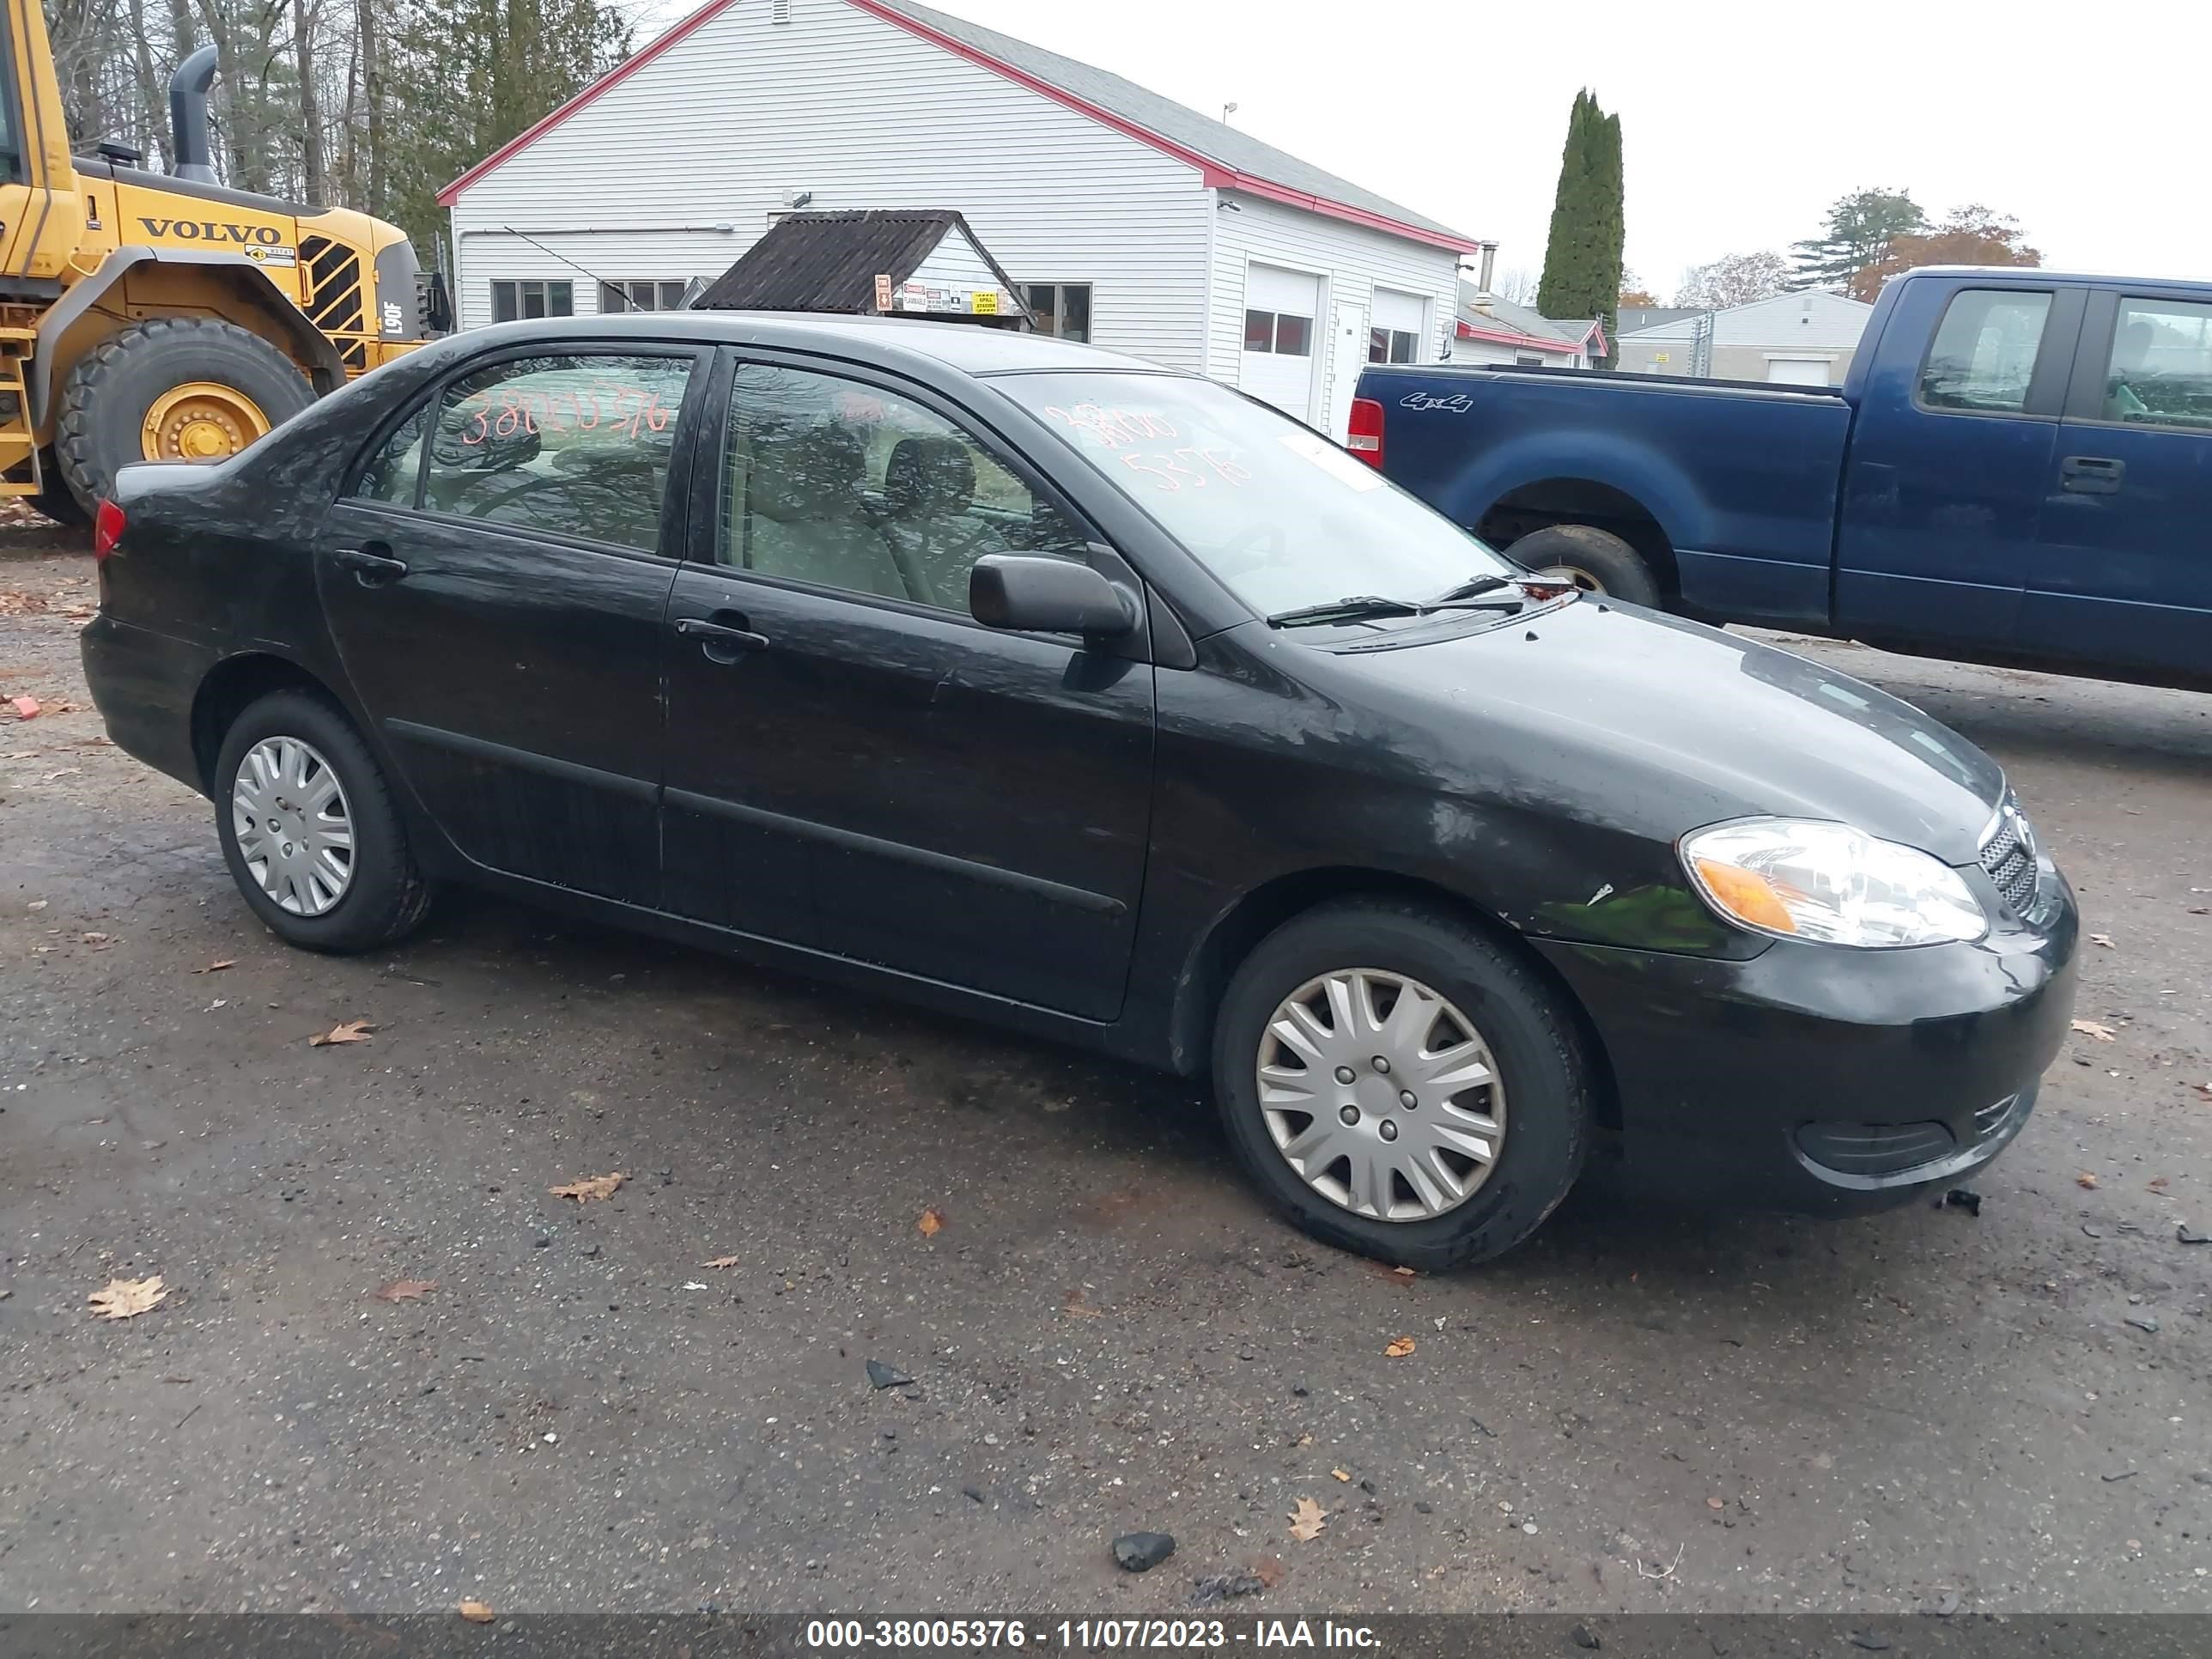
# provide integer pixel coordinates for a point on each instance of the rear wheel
(309, 830)
(1596, 560)
(170, 389)
(1400, 1085)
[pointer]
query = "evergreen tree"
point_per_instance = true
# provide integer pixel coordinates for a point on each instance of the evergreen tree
(1860, 226)
(1583, 265)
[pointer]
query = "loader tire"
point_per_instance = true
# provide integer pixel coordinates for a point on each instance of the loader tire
(54, 499)
(244, 387)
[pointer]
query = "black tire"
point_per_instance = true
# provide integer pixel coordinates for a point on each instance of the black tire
(1532, 1037)
(1600, 562)
(108, 393)
(386, 896)
(54, 499)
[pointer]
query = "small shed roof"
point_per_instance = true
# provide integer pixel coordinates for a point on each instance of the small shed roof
(830, 261)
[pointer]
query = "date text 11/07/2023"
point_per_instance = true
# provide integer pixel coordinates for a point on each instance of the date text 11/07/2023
(1084, 1634)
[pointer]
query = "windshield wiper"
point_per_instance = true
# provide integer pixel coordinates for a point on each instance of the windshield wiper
(1356, 607)
(1468, 589)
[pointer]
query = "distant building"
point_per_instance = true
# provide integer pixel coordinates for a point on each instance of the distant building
(1793, 339)
(1121, 217)
(1489, 330)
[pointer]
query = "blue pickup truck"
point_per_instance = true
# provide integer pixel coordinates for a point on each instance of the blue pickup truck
(2017, 469)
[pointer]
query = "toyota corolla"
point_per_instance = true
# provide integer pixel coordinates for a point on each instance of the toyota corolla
(1046, 686)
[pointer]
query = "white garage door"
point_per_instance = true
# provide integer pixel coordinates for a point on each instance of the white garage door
(1277, 364)
(1797, 371)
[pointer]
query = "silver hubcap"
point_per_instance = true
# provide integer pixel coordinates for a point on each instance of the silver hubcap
(294, 831)
(1574, 573)
(1381, 1094)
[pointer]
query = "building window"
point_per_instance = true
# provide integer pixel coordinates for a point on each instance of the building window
(640, 296)
(1062, 309)
(510, 301)
(1391, 345)
(1283, 333)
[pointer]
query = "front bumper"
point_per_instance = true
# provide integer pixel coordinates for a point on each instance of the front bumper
(1816, 1078)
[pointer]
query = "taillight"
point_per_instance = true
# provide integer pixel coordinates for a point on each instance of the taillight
(107, 529)
(1365, 438)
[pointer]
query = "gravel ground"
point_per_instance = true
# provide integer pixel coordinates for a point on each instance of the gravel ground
(659, 1400)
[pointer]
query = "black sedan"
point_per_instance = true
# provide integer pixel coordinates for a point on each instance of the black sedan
(1043, 685)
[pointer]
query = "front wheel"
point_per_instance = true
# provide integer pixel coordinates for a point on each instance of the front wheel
(1401, 1086)
(309, 830)
(1596, 560)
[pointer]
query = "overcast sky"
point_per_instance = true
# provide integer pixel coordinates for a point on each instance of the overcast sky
(1740, 120)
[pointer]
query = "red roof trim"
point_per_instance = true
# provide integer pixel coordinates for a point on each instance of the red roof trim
(1466, 331)
(1210, 173)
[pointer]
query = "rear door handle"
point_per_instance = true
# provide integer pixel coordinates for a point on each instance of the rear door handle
(2091, 475)
(722, 642)
(372, 566)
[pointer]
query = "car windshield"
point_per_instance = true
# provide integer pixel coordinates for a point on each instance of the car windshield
(1284, 518)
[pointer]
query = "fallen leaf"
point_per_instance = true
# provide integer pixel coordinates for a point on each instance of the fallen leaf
(695, 1285)
(352, 1030)
(932, 1223)
(66, 772)
(1307, 1521)
(593, 1186)
(1303, 1440)
(477, 1613)
(2090, 1028)
(2085, 1179)
(27, 708)
(405, 1290)
(1267, 1570)
(1399, 1349)
(1406, 1273)
(217, 967)
(720, 1262)
(1075, 1304)
(2105, 939)
(97, 939)
(1340, 1474)
(2204, 1089)
(126, 1299)
(2156, 1184)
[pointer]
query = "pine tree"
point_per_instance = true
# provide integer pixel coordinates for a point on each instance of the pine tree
(1582, 259)
(1860, 226)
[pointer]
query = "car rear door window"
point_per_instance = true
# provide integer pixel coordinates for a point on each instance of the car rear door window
(1984, 357)
(574, 444)
(2160, 369)
(843, 484)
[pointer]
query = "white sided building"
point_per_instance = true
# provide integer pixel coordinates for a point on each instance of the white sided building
(1126, 219)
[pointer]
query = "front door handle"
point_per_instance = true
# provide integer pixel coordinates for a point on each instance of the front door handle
(372, 565)
(2091, 475)
(722, 642)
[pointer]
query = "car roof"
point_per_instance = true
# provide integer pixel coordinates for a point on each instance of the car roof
(2036, 275)
(970, 348)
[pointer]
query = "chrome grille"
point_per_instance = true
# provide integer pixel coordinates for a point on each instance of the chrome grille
(2008, 855)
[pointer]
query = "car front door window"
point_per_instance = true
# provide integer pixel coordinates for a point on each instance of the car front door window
(840, 484)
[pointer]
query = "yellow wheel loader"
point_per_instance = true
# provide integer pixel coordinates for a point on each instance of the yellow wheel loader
(146, 316)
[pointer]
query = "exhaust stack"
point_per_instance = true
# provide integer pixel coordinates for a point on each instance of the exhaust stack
(188, 117)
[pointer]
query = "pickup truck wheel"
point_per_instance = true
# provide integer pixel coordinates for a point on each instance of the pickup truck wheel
(1596, 560)
(1399, 1084)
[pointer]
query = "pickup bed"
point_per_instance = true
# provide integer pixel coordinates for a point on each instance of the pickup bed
(2017, 469)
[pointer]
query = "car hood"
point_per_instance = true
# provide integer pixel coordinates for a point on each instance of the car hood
(1651, 722)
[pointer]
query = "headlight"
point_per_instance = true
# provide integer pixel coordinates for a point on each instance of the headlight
(1798, 879)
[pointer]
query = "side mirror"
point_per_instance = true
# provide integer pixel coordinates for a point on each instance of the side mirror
(1047, 596)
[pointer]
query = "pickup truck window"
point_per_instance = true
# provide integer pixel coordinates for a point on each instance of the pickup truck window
(1984, 351)
(1281, 516)
(2160, 369)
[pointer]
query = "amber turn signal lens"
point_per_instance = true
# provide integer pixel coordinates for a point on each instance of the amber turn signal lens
(1745, 896)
